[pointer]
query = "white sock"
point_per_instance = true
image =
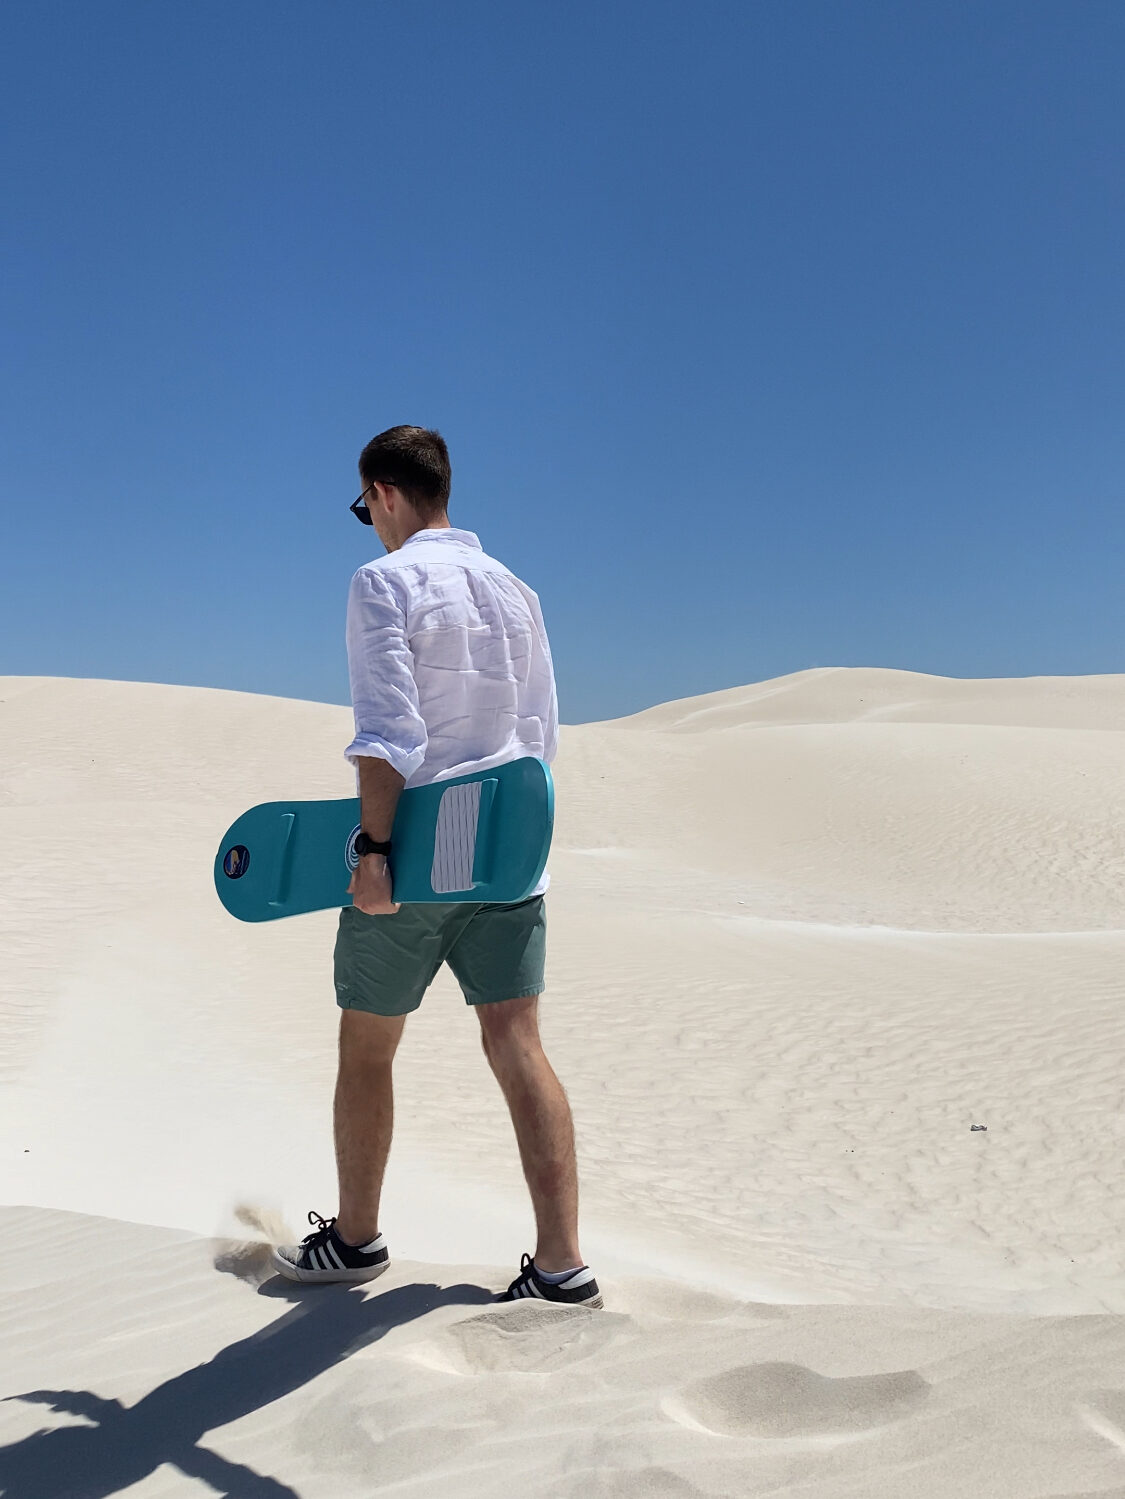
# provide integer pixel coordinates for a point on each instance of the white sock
(369, 1248)
(556, 1277)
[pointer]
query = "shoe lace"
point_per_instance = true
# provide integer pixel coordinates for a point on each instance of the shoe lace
(321, 1231)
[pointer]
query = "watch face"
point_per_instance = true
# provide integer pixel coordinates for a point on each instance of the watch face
(359, 844)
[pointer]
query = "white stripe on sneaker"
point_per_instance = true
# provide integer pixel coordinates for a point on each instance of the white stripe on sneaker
(330, 1253)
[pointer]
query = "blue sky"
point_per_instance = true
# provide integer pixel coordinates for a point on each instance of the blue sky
(763, 335)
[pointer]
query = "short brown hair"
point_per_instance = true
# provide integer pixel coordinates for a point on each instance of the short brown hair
(416, 461)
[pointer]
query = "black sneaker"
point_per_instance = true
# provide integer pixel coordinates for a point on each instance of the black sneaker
(323, 1255)
(579, 1289)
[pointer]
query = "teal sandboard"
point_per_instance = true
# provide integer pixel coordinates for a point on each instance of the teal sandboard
(480, 837)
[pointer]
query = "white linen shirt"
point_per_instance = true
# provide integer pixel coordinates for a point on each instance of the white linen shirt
(449, 662)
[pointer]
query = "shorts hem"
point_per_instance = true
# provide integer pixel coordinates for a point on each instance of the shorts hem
(497, 999)
(351, 1004)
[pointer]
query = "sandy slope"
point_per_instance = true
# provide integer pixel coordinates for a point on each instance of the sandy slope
(803, 935)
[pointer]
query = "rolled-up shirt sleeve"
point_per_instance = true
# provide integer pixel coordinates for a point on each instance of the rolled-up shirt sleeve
(388, 724)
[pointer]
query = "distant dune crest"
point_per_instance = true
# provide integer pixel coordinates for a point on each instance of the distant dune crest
(860, 694)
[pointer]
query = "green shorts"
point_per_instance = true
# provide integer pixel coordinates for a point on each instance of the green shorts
(384, 964)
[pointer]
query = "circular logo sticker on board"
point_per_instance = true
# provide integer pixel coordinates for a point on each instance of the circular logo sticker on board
(236, 862)
(351, 858)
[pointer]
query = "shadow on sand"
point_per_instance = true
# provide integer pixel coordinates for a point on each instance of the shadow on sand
(325, 1326)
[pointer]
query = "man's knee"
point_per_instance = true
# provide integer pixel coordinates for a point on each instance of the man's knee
(509, 1027)
(368, 1040)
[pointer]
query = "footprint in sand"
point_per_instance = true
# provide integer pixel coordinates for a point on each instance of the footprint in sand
(788, 1400)
(532, 1339)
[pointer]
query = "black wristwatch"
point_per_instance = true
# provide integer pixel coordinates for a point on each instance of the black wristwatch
(366, 845)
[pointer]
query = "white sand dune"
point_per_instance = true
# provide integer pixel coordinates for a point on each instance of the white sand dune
(803, 936)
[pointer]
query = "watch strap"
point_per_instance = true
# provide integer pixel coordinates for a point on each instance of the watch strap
(366, 845)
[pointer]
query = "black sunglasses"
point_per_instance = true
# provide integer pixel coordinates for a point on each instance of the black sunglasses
(358, 507)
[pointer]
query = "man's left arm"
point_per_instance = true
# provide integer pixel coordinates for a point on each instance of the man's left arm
(380, 787)
(390, 735)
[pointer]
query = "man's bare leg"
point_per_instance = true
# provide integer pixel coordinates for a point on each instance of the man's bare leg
(364, 1118)
(543, 1124)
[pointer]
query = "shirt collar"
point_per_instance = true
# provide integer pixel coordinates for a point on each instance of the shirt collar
(450, 533)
